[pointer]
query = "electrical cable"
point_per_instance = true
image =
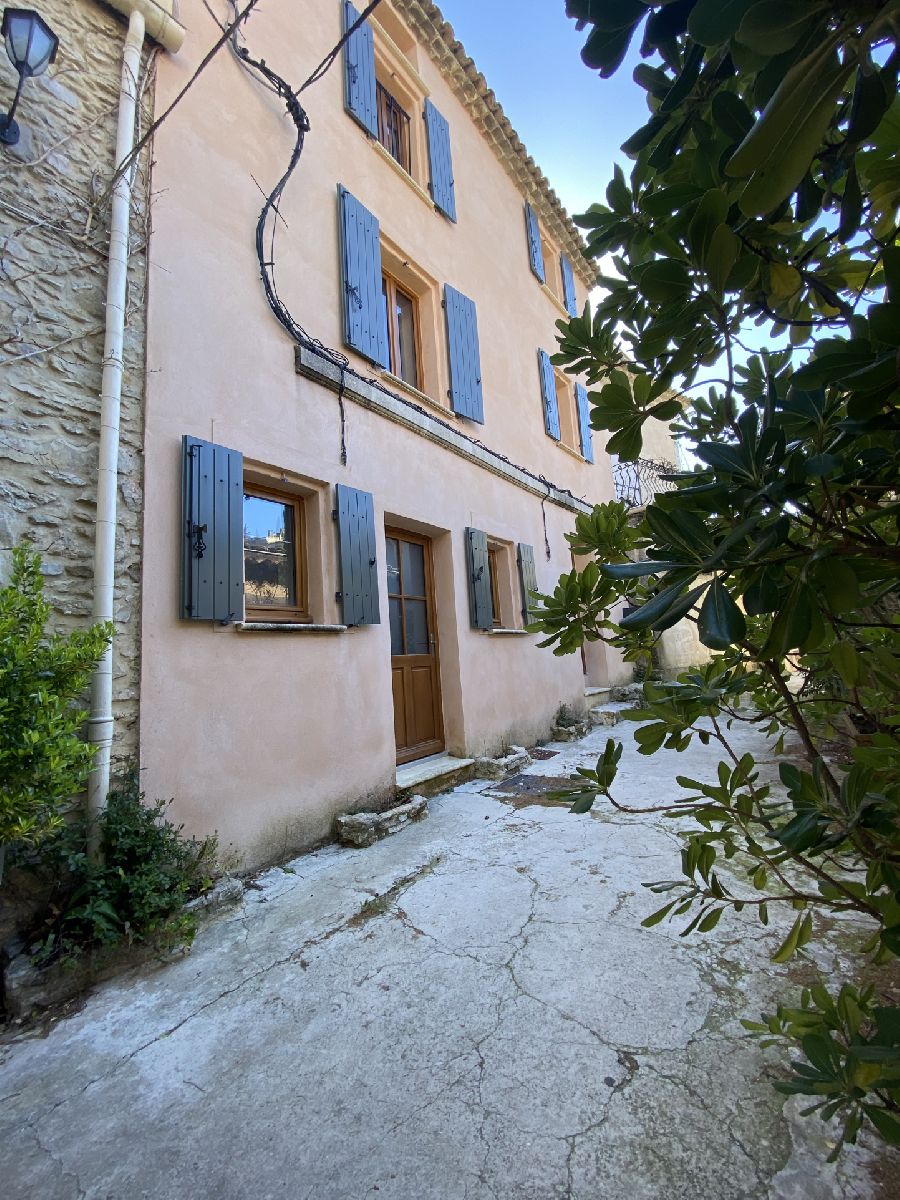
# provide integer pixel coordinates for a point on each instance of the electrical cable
(274, 82)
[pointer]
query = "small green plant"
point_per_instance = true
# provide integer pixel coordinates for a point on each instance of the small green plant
(136, 892)
(43, 759)
(851, 1048)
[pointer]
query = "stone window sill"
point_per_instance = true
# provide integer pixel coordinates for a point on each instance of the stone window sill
(557, 303)
(498, 632)
(404, 175)
(576, 454)
(286, 627)
(414, 394)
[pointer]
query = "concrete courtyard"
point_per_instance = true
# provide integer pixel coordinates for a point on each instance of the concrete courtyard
(467, 1011)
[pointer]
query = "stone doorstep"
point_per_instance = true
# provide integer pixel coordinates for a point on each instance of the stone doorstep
(430, 776)
(365, 829)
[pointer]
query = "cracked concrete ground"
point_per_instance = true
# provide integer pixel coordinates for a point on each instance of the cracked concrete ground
(467, 1011)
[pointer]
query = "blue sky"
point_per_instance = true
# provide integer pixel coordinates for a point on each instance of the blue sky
(571, 120)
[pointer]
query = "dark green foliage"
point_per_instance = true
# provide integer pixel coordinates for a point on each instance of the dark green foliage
(765, 193)
(43, 760)
(135, 892)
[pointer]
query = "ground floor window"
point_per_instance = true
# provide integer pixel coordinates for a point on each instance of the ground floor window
(274, 555)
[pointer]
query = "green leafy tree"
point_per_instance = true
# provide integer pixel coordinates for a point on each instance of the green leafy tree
(43, 759)
(754, 256)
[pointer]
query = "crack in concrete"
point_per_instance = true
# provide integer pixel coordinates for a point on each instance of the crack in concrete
(60, 1166)
(699, 1098)
(371, 909)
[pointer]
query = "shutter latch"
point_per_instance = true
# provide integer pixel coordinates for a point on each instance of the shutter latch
(195, 532)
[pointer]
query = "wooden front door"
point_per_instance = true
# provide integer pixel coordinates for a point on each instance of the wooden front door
(418, 723)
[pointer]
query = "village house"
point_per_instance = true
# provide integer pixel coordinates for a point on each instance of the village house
(345, 459)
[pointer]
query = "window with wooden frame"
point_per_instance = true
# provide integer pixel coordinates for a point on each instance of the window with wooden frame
(275, 577)
(568, 414)
(399, 95)
(400, 315)
(552, 273)
(393, 127)
(494, 553)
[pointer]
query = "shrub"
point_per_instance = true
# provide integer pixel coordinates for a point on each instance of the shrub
(43, 759)
(136, 892)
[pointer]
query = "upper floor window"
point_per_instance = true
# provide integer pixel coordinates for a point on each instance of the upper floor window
(393, 127)
(383, 92)
(401, 331)
(553, 269)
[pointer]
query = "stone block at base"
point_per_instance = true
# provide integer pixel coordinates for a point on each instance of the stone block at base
(364, 829)
(517, 759)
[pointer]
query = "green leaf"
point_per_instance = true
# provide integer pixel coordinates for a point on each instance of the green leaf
(664, 281)
(659, 915)
(841, 586)
(721, 255)
(803, 831)
(845, 661)
(654, 608)
(884, 321)
(634, 570)
(762, 595)
(773, 26)
(788, 947)
(732, 115)
(720, 622)
(708, 216)
(713, 22)
(710, 921)
(886, 1123)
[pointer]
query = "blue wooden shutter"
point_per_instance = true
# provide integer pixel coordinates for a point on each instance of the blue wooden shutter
(584, 423)
(359, 73)
(528, 579)
(355, 513)
(465, 359)
(212, 524)
(548, 393)
(364, 318)
(535, 249)
(568, 282)
(440, 162)
(481, 607)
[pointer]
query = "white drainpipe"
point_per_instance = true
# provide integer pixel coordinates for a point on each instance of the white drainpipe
(153, 18)
(100, 725)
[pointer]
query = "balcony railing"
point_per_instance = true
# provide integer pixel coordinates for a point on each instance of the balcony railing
(393, 127)
(639, 481)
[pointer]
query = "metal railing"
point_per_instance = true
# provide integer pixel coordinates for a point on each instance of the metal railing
(639, 481)
(393, 127)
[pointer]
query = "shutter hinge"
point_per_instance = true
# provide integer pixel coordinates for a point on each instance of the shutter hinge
(334, 514)
(338, 595)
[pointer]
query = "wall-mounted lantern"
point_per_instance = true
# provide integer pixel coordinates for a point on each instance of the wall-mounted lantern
(31, 46)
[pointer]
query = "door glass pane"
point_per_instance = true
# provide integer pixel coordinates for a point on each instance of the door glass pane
(413, 569)
(392, 554)
(416, 627)
(396, 626)
(269, 573)
(406, 335)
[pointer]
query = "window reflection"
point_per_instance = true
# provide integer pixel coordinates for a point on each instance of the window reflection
(270, 575)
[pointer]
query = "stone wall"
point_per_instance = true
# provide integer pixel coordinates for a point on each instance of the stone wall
(54, 217)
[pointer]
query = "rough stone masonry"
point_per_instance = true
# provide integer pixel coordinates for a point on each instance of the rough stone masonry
(53, 263)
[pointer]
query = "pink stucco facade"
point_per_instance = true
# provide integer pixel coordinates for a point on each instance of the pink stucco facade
(264, 736)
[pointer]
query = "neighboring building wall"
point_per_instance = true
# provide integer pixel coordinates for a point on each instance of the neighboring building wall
(53, 266)
(678, 647)
(264, 736)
